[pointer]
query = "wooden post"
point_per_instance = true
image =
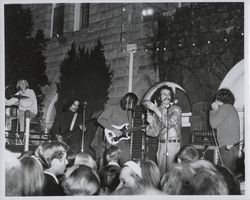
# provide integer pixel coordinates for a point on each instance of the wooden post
(27, 130)
(131, 49)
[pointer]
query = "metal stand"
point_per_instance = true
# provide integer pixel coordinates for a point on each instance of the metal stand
(83, 126)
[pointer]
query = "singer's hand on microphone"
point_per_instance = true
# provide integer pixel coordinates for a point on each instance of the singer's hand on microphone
(229, 147)
(149, 117)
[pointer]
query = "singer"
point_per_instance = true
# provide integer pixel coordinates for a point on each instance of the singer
(68, 125)
(225, 119)
(165, 122)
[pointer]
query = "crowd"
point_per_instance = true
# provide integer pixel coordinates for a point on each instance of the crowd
(51, 171)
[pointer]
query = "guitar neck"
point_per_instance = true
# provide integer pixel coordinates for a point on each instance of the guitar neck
(136, 128)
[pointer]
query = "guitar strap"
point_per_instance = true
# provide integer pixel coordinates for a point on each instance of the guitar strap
(73, 122)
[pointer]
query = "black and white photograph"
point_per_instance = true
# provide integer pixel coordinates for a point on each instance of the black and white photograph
(124, 99)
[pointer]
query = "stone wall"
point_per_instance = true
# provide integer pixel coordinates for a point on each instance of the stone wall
(116, 24)
(198, 45)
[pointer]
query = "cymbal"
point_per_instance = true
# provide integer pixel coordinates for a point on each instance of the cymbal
(19, 97)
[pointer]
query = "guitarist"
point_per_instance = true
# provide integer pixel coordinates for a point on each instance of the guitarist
(68, 125)
(119, 115)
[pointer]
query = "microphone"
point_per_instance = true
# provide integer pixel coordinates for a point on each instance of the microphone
(230, 146)
(85, 103)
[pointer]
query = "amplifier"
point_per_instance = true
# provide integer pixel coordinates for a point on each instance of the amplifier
(208, 152)
(202, 137)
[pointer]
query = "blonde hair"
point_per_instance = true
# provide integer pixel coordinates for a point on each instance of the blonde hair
(22, 81)
(82, 181)
(83, 158)
(32, 176)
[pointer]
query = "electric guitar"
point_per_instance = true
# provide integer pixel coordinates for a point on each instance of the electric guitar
(125, 133)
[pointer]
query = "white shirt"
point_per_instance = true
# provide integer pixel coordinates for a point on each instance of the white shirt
(29, 103)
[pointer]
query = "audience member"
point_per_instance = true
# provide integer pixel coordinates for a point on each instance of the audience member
(177, 180)
(12, 174)
(233, 183)
(150, 174)
(71, 155)
(84, 158)
(32, 177)
(209, 182)
(109, 174)
(187, 153)
(82, 181)
(54, 159)
(130, 176)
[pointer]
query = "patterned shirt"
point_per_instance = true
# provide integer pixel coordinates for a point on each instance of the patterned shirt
(170, 123)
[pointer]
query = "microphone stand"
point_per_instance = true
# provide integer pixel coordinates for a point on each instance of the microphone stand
(167, 153)
(83, 126)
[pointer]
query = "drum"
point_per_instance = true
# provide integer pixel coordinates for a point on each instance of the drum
(11, 111)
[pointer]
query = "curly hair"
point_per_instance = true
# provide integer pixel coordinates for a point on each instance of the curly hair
(157, 95)
(225, 96)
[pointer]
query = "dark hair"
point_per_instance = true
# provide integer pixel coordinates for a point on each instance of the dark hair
(109, 176)
(232, 181)
(113, 152)
(157, 94)
(209, 182)
(129, 99)
(225, 96)
(188, 153)
(69, 103)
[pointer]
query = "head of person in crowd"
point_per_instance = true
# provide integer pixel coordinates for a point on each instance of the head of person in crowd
(224, 96)
(177, 181)
(84, 158)
(32, 176)
(53, 156)
(22, 84)
(109, 174)
(109, 178)
(209, 182)
(113, 154)
(26, 153)
(71, 155)
(81, 181)
(150, 174)
(12, 174)
(232, 181)
(188, 153)
(130, 176)
(202, 164)
(129, 101)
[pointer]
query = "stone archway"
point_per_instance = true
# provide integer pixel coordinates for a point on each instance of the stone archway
(50, 111)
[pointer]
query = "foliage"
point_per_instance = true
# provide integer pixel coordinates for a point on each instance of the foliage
(24, 53)
(85, 76)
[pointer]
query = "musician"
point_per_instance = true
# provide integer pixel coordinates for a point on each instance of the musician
(68, 125)
(25, 99)
(225, 119)
(165, 123)
(119, 115)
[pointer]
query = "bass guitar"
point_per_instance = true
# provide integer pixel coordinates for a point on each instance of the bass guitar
(124, 130)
